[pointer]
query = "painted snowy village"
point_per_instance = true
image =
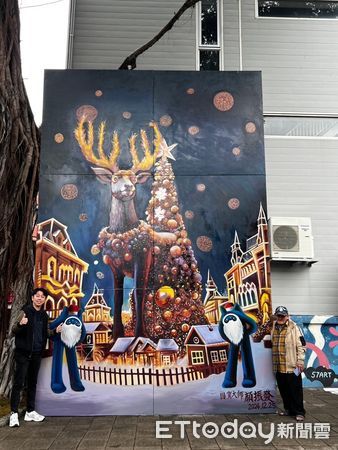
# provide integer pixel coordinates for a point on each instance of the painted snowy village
(182, 341)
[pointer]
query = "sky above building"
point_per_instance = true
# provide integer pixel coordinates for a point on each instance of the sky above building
(44, 37)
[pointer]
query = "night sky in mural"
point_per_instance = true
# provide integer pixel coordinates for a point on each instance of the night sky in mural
(217, 126)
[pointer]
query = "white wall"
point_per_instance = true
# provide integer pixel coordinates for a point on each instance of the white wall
(302, 182)
(298, 59)
(107, 31)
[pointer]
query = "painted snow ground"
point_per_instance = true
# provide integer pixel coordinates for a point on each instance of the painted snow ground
(194, 397)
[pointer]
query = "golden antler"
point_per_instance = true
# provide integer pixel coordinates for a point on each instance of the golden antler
(148, 159)
(86, 144)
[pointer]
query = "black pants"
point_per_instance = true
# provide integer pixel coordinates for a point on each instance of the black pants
(26, 366)
(291, 391)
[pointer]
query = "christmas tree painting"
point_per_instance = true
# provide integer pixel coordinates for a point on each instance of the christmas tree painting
(175, 303)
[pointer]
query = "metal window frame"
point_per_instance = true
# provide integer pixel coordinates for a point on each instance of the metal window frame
(300, 115)
(219, 46)
(257, 16)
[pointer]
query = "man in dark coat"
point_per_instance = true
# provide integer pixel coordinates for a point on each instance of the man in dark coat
(31, 333)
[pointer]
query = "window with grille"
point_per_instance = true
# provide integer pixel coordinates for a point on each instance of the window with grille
(209, 35)
(214, 356)
(222, 355)
(166, 360)
(298, 9)
(288, 126)
(197, 357)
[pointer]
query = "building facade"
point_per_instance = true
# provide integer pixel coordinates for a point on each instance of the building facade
(58, 267)
(297, 54)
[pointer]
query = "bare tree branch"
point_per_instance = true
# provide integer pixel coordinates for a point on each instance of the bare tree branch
(130, 61)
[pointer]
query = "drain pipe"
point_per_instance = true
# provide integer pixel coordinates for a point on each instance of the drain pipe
(71, 27)
(240, 34)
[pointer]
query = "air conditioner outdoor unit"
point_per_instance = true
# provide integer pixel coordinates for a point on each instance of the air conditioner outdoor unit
(291, 238)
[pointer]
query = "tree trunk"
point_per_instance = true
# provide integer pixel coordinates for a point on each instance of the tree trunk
(19, 158)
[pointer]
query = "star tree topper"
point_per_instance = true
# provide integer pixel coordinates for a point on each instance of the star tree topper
(165, 150)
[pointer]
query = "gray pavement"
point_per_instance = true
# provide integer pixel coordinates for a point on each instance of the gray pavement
(139, 432)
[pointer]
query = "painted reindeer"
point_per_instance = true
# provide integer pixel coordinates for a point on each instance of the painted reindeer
(128, 242)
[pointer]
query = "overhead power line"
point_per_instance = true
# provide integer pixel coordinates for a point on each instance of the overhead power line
(41, 4)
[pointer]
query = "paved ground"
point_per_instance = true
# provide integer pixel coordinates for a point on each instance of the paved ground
(138, 432)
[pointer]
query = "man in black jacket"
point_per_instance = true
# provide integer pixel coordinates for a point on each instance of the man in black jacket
(31, 333)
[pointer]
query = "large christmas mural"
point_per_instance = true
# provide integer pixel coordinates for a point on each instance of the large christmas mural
(152, 243)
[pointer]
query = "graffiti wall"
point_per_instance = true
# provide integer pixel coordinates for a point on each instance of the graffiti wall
(153, 244)
(321, 359)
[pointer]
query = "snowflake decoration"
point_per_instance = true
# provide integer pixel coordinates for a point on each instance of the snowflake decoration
(161, 194)
(159, 213)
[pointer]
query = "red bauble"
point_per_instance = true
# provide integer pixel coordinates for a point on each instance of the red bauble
(174, 270)
(128, 257)
(186, 313)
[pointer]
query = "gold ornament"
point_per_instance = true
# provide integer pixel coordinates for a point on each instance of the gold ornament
(172, 223)
(95, 250)
(185, 328)
(167, 315)
(175, 251)
(164, 295)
